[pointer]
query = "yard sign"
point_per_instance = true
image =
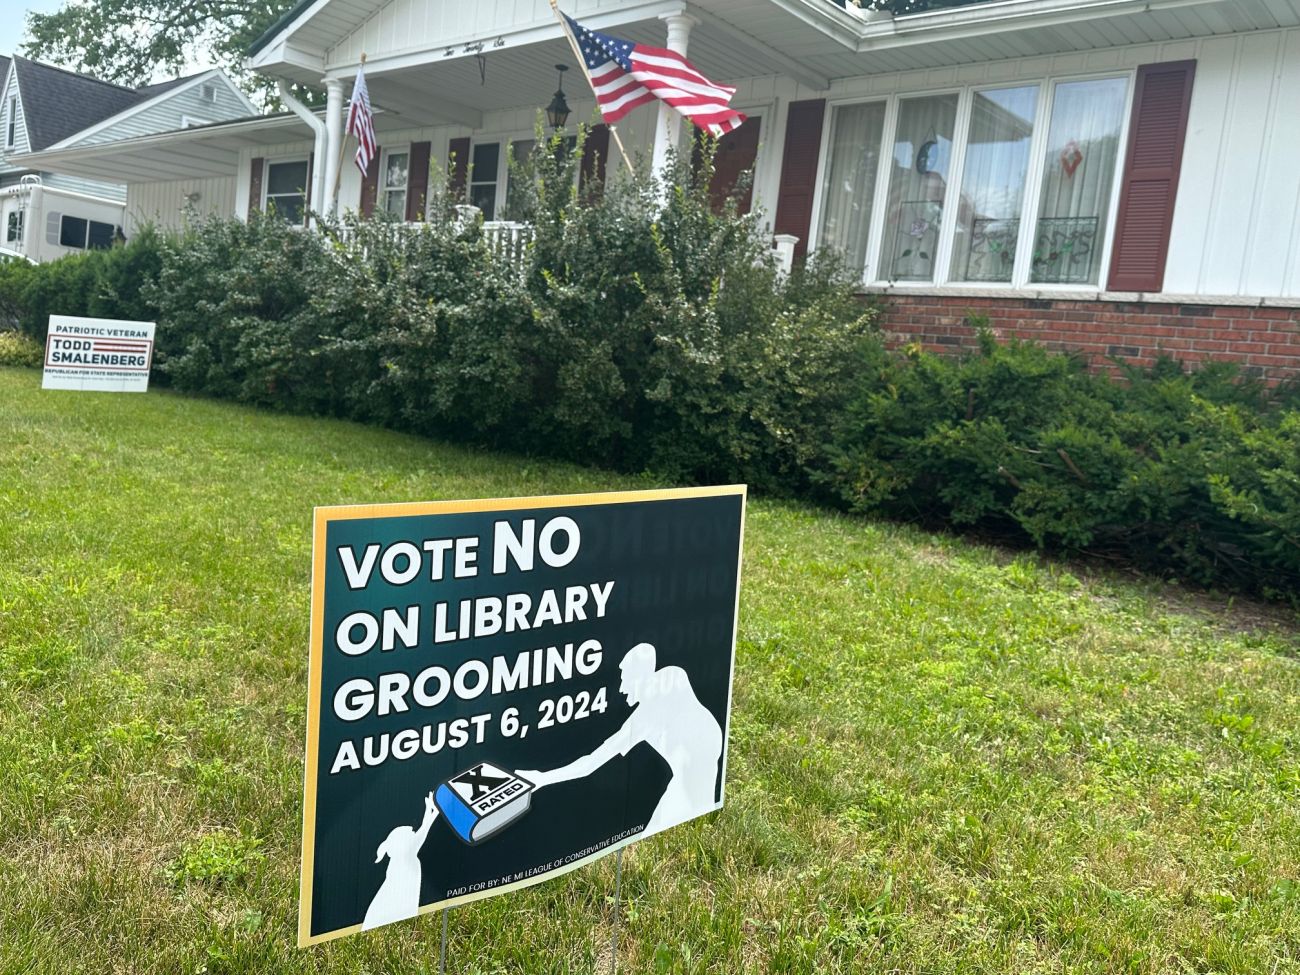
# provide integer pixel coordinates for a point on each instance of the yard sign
(501, 691)
(98, 354)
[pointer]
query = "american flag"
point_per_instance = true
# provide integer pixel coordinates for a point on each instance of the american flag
(361, 122)
(625, 75)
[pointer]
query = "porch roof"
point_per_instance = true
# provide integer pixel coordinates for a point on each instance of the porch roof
(814, 41)
(198, 152)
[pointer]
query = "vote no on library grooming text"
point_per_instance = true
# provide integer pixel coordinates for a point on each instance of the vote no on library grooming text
(503, 690)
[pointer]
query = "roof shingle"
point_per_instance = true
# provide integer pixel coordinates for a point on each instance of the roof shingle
(58, 103)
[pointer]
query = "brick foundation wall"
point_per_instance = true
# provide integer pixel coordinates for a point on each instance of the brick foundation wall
(1263, 341)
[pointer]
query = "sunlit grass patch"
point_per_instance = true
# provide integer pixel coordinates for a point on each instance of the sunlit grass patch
(944, 758)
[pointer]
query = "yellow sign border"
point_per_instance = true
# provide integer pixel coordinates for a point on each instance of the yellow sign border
(322, 516)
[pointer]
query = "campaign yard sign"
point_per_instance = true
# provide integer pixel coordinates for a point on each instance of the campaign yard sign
(98, 354)
(501, 691)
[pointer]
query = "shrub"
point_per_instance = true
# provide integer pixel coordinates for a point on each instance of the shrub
(1167, 469)
(17, 349)
(100, 283)
(652, 332)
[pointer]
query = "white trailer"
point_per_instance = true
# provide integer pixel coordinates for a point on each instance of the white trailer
(43, 223)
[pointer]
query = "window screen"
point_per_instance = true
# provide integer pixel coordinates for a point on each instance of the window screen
(483, 178)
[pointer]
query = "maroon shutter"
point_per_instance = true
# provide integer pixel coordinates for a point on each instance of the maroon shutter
(458, 166)
(737, 153)
(595, 155)
(255, 184)
(417, 181)
(1157, 132)
(803, 140)
(370, 186)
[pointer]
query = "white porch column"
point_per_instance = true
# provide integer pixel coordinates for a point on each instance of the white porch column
(668, 125)
(333, 142)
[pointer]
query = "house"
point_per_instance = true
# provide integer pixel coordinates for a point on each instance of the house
(1116, 176)
(45, 213)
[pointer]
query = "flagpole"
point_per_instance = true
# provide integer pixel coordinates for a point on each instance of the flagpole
(343, 140)
(582, 63)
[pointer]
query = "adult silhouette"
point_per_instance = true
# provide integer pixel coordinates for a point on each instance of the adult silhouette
(399, 894)
(669, 718)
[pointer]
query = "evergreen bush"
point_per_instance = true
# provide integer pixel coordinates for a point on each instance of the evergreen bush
(647, 331)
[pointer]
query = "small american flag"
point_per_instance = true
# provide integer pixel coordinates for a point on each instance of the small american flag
(625, 75)
(361, 122)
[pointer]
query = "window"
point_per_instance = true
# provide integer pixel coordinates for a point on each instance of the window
(392, 194)
(918, 186)
(286, 190)
(519, 167)
(14, 227)
(190, 122)
(993, 184)
(1011, 185)
(100, 235)
(485, 163)
(79, 233)
(850, 180)
(1078, 180)
(72, 232)
(11, 129)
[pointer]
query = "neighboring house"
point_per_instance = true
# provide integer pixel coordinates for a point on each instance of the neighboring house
(45, 213)
(1117, 176)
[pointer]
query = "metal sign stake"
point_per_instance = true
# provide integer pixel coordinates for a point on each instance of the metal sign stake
(442, 951)
(618, 885)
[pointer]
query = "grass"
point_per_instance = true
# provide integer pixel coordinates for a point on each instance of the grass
(943, 758)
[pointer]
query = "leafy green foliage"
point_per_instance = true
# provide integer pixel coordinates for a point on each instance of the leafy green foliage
(942, 757)
(17, 349)
(655, 337)
(216, 858)
(648, 331)
(102, 283)
(1166, 469)
(129, 41)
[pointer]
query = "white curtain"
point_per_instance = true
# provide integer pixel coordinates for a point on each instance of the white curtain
(850, 181)
(993, 184)
(921, 166)
(1078, 180)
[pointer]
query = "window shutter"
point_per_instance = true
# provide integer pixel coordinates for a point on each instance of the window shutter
(595, 156)
(255, 171)
(458, 166)
(370, 185)
(803, 139)
(417, 181)
(1149, 188)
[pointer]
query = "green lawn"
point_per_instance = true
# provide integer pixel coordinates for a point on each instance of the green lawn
(944, 758)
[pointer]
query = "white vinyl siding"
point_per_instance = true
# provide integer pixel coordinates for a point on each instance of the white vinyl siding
(12, 97)
(1236, 227)
(170, 113)
(403, 25)
(166, 205)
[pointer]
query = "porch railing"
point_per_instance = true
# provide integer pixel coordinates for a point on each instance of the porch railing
(508, 240)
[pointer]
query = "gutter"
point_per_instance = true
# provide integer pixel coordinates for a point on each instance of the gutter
(955, 23)
(317, 198)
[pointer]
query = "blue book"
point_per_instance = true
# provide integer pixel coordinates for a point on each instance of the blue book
(481, 801)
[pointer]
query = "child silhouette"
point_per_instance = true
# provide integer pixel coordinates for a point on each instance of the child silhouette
(399, 894)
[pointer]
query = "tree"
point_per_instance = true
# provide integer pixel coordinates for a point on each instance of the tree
(129, 41)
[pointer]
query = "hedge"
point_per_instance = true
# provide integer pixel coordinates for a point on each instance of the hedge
(645, 332)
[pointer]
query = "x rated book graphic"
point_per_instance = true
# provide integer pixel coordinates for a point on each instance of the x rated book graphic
(477, 803)
(482, 801)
